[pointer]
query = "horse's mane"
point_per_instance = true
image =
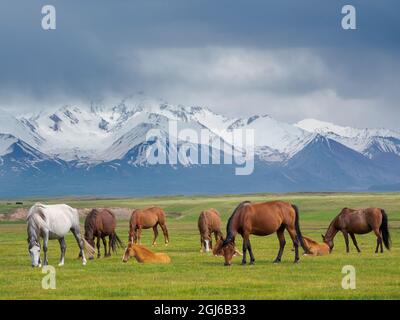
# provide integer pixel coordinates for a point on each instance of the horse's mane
(229, 234)
(36, 215)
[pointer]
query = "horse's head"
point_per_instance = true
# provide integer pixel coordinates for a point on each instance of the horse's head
(34, 252)
(328, 241)
(226, 249)
(129, 252)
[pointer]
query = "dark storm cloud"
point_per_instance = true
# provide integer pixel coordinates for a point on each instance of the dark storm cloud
(292, 59)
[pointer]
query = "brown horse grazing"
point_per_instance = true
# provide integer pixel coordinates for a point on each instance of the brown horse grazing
(209, 222)
(315, 248)
(144, 255)
(361, 221)
(101, 223)
(145, 219)
(262, 219)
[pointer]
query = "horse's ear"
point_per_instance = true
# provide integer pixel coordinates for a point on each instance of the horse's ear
(323, 237)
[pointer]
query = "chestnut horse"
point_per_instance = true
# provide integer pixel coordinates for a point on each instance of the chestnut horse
(144, 255)
(101, 223)
(209, 222)
(315, 248)
(361, 221)
(145, 219)
(262, 219)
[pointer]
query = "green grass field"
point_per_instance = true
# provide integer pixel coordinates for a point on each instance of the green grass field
(193, 275)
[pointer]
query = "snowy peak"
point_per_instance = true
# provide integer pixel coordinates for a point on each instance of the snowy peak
(312, 125)
(366, 141)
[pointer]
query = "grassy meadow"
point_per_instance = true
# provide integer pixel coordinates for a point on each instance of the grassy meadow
(195, 275)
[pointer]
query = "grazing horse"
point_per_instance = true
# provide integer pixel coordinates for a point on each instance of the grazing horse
(144, 255)
(209, 222)
(101, 223)
(262, 219)
(315, 248)
(53, 222)
(145, 219)
(360, 221)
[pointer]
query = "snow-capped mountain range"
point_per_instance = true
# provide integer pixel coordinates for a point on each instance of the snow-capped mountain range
(71, 145)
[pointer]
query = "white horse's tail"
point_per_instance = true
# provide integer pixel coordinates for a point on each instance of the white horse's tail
(88, 248)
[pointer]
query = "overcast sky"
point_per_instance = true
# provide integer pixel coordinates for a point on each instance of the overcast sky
(289, 59)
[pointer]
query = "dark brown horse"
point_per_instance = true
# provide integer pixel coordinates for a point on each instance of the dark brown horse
(146, 219)
(361, 221)
(261, 219)
(101, 223)
(209, 222)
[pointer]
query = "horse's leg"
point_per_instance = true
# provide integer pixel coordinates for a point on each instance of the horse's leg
(155, 230)
(378, 240)
(98, 246)
(201, 243)
(105, 246)
(216, 236)
(165, 232)
(139, 235)
(75, 231)
(209, 241)
(353, 237)
(244, 249)
(252, 260)
(45, 246)
(109, 244)
(63, 248)
(282, 242)
(346, 240)
(293, 235)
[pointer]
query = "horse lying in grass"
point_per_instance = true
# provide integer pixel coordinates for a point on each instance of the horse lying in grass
(145, 219)
(361, 221)
(101, 223)
(209, 222)
(144, 255)
(315, 248)
(53, 222)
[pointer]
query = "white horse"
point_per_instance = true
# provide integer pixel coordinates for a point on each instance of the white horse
(52, 222)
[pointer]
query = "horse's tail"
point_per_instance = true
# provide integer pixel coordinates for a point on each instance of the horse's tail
(230, 234)
(89, 249)
(115, 242)
(298, 232)
(384, 228)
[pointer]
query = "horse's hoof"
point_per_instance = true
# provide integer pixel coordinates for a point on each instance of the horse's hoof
(60, 264)
(84, 263)
(276, 261)
(251, 263)
(296, 261)
(243, 263)
(227, 264)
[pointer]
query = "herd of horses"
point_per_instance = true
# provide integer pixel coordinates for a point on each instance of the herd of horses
(264, 218)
